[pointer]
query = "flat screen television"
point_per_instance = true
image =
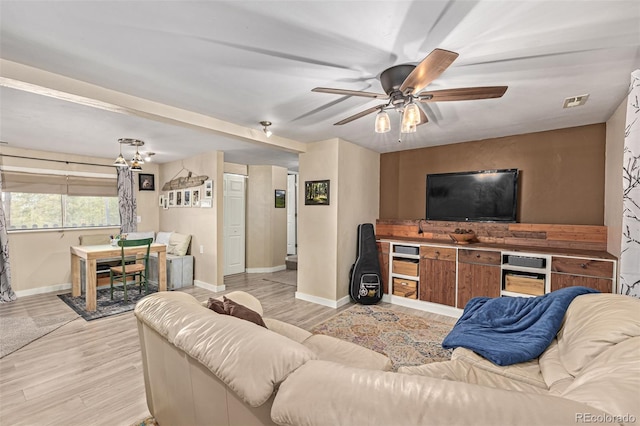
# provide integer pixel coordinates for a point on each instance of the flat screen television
(481, 196)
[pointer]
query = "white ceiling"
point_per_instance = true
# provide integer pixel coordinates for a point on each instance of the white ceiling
(247, 61)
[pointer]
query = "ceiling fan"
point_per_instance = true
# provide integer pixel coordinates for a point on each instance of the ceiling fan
(403, 86)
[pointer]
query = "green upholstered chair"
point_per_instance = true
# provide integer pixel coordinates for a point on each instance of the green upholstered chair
(127, 269)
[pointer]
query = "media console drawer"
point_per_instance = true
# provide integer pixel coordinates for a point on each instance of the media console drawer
(405, 267)
(588, 267)
(484, 257)
(405, 288)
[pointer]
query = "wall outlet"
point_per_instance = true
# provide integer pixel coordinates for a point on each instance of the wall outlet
(201, 249)
(138, 219)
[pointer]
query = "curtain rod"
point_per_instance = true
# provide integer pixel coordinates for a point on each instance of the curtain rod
(55, 161)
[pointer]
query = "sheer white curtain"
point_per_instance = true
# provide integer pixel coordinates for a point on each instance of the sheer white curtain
(6, 293)
(630, 257)
(127, 200)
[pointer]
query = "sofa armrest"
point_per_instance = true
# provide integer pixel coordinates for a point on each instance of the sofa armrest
(346, 353)
(287, 330)
(326, 393)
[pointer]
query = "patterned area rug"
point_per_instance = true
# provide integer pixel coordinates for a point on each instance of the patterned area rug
(404, 338)
(105, 306)
(148, 421)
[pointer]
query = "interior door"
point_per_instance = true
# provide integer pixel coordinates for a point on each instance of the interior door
(292, 213)
(234, 224)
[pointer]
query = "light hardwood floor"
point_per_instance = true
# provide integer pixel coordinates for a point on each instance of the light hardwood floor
(90, 373)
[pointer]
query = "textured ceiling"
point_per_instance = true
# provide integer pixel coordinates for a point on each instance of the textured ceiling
(243, 62)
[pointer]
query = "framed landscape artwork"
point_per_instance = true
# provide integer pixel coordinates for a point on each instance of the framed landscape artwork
(280, 198)
(316, 193)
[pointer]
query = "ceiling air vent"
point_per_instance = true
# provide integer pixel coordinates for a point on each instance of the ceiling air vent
(575, 101)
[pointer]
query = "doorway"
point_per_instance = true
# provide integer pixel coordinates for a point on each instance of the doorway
(234, 223)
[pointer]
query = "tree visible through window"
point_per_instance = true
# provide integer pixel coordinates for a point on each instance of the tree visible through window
(35, 211)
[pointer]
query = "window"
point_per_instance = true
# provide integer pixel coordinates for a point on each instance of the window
(42, 201)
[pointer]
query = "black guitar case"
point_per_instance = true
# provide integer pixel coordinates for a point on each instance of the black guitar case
(366, 282)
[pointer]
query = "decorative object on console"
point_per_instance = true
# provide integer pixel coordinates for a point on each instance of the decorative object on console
(146, 182)
(462, 236)
(316, 193)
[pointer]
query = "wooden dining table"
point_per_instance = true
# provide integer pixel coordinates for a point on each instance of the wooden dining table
(91, 255)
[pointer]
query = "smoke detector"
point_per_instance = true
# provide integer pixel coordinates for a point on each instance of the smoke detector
(575, 101)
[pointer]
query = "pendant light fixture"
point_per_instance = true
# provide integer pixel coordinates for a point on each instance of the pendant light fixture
(383, 124)
(120, 161)
(136, 161)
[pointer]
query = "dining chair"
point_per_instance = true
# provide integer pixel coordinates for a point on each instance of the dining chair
(128, 269)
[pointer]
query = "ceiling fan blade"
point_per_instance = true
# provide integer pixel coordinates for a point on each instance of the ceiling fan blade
(350, 92)
(423, 115)
(463, 94)
(428, 70)
(358, 115)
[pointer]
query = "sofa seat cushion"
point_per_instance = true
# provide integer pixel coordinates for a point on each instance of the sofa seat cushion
(611, 381)
(346, 353)
(593, 323)
(459, 370)
(252, 361)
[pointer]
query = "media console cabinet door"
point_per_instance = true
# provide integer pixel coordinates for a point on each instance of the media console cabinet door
(569, 272)
(383, 259)
(479, 274)
(438, 275)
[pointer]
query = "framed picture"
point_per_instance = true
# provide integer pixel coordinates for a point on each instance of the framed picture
(165, 204)
(316, 193)
(146, 182)
(195, 197)
(280, 198)
(172, 198)
(186, 198)
(208, 189)
(205, 204)
(161, 201)
(179, 198)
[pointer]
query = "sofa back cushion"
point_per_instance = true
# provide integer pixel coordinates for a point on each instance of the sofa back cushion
(140, 235)
(94, 240)
(178, 244)
(163, 238)
(252, 361)
(593, 323)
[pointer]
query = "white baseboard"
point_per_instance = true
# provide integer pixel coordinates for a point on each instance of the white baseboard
(43, 290)
(322, 301)
(211, 287)
(265, 270)
(435, 308)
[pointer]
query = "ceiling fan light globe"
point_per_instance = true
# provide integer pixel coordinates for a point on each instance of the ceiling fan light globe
(408, 127)
(383, 124)
(135, 166)
(268, 132)
(411, 114)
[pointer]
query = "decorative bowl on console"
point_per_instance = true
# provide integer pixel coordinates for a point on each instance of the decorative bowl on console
(463, 236)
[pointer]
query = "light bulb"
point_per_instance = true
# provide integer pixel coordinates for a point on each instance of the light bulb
(383, 124)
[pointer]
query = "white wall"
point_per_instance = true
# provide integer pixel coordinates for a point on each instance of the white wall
(266, 234)
(327, 234)
(201, 223)
(613, 178)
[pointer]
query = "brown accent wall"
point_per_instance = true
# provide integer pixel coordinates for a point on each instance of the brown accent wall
(561, 174)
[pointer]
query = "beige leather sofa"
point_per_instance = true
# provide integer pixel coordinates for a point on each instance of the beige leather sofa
(203, 369)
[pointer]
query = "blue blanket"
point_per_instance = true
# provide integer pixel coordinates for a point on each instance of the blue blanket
(509, 330)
